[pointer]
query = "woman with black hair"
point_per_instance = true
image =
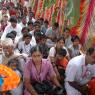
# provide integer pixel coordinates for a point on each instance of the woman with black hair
(38, 70)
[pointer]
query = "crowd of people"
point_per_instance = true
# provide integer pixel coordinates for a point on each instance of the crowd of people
(47, 61)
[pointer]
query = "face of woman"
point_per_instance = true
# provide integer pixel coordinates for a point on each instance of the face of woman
(60, 44)
(37, 57)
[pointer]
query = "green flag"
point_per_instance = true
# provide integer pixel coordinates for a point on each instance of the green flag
(72, 11)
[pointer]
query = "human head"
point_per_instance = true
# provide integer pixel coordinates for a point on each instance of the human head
(13, 63)
(55, 26)
(4, 10)
(30, 25)
(46, 23)
(31, 15)
(5, 18)
(24, 21)
(36, 54)
(11, 35)
(41, 20)
(60, 42)
(90, 56)
(30, 9)
(24, 30)
(13, 21)
(61, 53)
(43, 39)
(8, 46)
(66, 32)
(40, 37)
(75, 40)
(37, 26)
(27, 38)
(2, 23)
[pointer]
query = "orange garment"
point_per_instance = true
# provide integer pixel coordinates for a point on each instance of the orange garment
(63, 62)
(92, 87)
(11, 79)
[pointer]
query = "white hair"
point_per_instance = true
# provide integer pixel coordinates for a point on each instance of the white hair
(7, 42)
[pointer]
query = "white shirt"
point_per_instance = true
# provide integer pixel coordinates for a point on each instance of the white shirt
(68, 41)
(32, 32)
(33, 41)
(1, 15)
(52, 51)
(1, 57)
(9, 28)
(22, 25)
(33, 19)
(24, 48)
(77, 71)
(75, 51)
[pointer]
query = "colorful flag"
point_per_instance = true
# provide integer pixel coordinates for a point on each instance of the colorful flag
(35, 7)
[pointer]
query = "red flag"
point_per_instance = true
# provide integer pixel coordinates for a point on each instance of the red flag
(87, 22)
(35, 6)
(51, 13)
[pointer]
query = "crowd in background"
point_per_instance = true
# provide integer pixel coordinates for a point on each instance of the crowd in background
(35, 50)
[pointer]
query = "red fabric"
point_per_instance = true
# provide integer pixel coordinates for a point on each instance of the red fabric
(92, 87)
(35, 6)
(63, 63)
(87, 22)
(12, 12)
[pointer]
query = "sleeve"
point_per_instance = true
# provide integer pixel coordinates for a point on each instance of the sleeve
(66, 51)
(27, 70)
(48, 32)
(93, 71)
(20, 46)
(51, 72)
(19, 34)
(52, 52)
(71, 71)
(4, 34)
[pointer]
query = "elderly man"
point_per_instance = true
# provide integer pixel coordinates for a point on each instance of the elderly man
(80, 70)
(9, 53)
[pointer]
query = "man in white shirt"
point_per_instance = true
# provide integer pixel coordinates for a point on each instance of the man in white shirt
(9, 53)
(4, 12)
(23, 22)
(52, 33)
(13, 26)
(25, 46)
(30, 17)
(67, 37)
(7, 56)
(80, 70)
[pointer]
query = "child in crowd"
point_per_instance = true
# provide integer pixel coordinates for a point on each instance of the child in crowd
(75, 48)
(13, 64)
(25, 46)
